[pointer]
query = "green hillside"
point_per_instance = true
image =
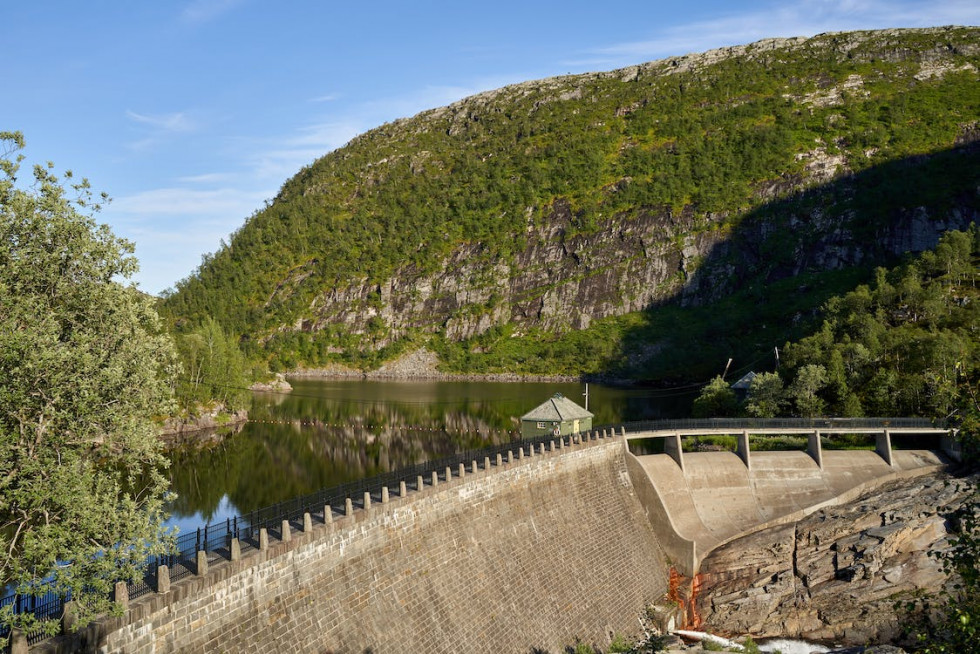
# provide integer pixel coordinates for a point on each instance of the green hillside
(735, 165)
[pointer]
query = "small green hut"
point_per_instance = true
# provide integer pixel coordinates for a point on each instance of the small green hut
(558, 413)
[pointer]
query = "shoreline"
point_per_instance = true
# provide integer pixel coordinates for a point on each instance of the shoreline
(379, 375)
(423, 365)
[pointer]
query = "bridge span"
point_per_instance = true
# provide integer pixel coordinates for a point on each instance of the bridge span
(698, 501)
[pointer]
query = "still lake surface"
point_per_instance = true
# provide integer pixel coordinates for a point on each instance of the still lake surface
(327, 432)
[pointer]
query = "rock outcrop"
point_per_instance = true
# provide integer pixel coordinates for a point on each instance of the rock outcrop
(837, 574)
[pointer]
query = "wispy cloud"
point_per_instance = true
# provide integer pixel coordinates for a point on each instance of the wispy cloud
(202, 11)
(329, 97)
(174, 122)
(206, 178)
(192, 203)
(793, 19)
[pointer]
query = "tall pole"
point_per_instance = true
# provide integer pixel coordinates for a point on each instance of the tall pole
(586, 394)
(726, 368)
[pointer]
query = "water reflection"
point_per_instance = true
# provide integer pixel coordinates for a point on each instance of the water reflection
(327, 432)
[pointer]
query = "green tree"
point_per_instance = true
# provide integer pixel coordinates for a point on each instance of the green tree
(766, 396)
(810, 380)
(84, 368)
(717, 400)
(214, 369)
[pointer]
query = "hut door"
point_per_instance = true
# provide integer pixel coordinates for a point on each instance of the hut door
(575, 427)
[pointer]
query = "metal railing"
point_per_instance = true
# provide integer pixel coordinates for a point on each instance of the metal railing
(215, 538)
(740, 424)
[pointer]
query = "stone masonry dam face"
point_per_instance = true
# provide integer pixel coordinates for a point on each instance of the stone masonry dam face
(532, 555)
(535, 554)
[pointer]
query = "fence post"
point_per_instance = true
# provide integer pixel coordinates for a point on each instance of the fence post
(367, 501)
(327, 514)
(449, 473)
(384, 495)
(68, 618)
(486, 463)
(286, 535)
(474, 468)
(420, 483)
(121, 594)
(163, 579)
(500, 460)
(348, 507)
(402, 489)
(435, 478)
(235, 549)
(510, 456)
(462, 470)
(18, 642)
(307, 522)
(263, 538)
(202, 564)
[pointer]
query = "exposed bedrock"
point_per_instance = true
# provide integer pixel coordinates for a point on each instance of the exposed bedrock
(836, 574)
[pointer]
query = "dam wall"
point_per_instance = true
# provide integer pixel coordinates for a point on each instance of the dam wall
(716, 497)
(531, 556)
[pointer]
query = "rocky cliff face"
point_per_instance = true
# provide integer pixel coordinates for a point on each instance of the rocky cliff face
(561, 282)
(837, 574)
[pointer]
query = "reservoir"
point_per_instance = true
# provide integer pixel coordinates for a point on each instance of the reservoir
(328, 431)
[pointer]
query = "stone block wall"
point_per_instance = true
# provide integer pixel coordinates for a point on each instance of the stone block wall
(526, 557)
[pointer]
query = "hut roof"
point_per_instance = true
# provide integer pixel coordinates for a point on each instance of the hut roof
(558, 408)
(744, 383)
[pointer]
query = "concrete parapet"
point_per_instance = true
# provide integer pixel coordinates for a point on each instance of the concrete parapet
(201, 567)
(743, 449)
(883, 446)
(951, 446)
(18, 642)
(582, 503)
(673, 447)
(163, 578)
(814, 448)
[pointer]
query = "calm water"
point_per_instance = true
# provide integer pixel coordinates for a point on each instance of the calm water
(327, 432)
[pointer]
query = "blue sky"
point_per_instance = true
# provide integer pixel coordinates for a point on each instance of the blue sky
(192, 114)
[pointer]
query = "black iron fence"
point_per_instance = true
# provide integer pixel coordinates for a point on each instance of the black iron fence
(215, 539)
(740, 424)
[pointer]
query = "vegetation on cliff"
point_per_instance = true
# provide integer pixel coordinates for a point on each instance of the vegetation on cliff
(702, 143)
(85, 368)
(905, 344)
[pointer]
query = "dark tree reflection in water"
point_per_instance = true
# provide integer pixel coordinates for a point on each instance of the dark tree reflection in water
(327, 432)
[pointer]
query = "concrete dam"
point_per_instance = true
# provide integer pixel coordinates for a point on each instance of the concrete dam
(570, 542)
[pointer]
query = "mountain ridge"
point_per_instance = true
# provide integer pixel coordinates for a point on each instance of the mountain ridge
(537, 209)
